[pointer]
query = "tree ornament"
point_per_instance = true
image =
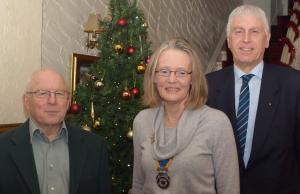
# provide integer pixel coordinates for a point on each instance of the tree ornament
(147, 60)
(98, 84)
(122, 22)
(135, 91)
(145, 25)
(93, 77)
(140, 68)
(96, 124)
(92, 111)
(74, 108)
(118, 48)
(130, 50)
(86, 127)
(129, 134)
(126, 95)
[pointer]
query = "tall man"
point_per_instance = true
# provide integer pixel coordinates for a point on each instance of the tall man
(263, 103)
(46, 155)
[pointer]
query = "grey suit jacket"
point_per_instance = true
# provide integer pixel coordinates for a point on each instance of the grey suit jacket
(89, 171)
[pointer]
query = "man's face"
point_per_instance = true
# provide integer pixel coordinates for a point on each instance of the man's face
(47, 111)
(248, 40)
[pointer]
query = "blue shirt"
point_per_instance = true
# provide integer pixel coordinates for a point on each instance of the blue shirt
(254, 89)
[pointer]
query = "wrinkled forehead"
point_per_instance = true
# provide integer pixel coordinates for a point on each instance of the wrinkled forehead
(249, 20)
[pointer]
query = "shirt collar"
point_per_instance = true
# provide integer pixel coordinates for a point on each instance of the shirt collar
(33, 129)
(256, 71)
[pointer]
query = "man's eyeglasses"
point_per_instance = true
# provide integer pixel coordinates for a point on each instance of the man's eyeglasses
(43, 94)
(178, 73)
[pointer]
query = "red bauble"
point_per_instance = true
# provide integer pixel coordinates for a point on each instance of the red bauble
(147, 60)
(126, 95)
(122, 22)
(130, 50)
(135, 91)
(74, 108)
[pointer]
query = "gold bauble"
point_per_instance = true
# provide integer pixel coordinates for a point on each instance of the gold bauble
(97, 123)
(99, 84)
(140, 68)
(86, 127)
(145, 25)
(118, 48)
(130, 134)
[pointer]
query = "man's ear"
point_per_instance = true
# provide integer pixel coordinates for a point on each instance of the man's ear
(25, 105)
(268, 40)
(228, 42)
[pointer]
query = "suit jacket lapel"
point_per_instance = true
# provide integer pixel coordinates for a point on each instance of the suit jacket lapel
(225, 101)
(22, 156)
(267, 104)
(77, 153)
(227, 95)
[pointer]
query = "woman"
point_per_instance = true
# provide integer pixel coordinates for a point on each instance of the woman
(180, 144)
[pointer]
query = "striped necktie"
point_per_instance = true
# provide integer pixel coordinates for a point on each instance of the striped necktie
(243, 112)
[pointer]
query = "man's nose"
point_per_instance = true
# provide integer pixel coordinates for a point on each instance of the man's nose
(52, 97)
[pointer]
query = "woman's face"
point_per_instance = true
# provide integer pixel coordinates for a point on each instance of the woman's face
(173, 76)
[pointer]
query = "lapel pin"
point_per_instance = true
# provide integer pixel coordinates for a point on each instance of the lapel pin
(269, 104)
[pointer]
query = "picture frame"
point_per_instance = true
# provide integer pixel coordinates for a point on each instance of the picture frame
(6, 127)
(80, 64)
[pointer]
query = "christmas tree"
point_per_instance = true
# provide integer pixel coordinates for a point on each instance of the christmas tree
(109, 96)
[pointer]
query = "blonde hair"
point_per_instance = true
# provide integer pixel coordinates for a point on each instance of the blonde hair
(198, 89)
(247, 10)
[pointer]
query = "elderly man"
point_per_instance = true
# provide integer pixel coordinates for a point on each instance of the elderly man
(45, 154)
(263, 103)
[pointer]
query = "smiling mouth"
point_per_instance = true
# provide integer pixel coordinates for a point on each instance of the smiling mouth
(246, 49)
(52, 112)
(172, 89)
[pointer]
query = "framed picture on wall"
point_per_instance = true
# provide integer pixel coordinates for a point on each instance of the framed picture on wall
(6, 127)
(80, 65)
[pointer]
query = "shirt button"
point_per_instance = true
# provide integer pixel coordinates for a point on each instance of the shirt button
(52, 188)
(51, 165)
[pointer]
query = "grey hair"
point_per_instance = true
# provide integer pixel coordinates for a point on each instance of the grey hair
(246, 10)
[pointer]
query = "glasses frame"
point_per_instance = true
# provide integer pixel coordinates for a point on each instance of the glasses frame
(176, 73)
(46, 94)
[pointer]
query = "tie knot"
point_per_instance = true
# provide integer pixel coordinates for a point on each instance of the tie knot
(246, 78)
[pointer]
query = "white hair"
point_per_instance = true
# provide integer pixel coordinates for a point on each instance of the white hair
(248, 10)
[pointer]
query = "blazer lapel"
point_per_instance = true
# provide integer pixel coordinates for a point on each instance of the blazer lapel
(227, 98)
(22, 156)
(225, 95)
(225, 101)
(77, 152)
(267, 105)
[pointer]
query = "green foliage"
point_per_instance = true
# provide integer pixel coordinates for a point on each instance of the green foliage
(118, 72)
